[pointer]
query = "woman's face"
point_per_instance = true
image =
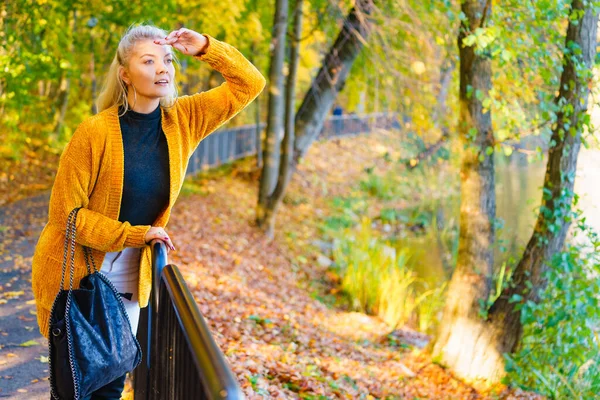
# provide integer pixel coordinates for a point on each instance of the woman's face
(150, 69)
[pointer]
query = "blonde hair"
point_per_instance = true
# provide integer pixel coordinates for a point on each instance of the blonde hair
(114, 90)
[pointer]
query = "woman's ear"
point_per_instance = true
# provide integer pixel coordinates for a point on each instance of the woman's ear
(124, 75)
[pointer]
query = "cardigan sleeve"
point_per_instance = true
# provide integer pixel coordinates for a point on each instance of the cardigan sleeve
(210, 109)
(72, 187)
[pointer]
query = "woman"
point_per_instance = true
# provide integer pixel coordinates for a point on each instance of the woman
(125, 166)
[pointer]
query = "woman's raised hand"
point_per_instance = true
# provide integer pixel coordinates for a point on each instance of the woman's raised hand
(186, 41)
(156, 232)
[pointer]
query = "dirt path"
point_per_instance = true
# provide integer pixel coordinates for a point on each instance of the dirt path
(23, 368)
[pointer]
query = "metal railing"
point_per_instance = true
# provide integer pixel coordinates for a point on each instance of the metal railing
(226, 145)
(180, 359)
(352, 124)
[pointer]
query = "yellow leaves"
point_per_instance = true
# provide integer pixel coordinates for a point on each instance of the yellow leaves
(418, 67)
(44, 58)
(29, 343)
(253, 27)
(12, 295)
(237, 260)
(334, 278)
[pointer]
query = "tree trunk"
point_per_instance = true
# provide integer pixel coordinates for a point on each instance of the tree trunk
(439, 115)
(275, 120)
(63, 102)
(259, 162)
(331, 77)
(316, 104)
(65, 83)
(471, 281)
(94, 84)
(258, 133)
(480, 351)
(287, 145)
(553, 220)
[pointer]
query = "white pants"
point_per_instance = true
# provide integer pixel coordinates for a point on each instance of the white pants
(122, 269)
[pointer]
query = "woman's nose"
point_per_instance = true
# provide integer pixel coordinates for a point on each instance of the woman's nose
(161, 67)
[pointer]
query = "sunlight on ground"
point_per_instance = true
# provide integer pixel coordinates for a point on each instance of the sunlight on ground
(354, 326)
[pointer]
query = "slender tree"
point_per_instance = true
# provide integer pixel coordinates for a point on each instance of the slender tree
(331, 76)
(287, 145)
(275, 115)
(302, 129)
(471, 280)
(65, 83)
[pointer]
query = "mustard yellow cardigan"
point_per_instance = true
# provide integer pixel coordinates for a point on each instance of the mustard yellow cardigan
(90, 175)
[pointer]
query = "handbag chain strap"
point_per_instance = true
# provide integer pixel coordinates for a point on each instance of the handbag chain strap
(66, 253)
(69, 254)
(88, 255)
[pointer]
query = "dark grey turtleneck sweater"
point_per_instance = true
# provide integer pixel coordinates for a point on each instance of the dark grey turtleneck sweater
(146, 179)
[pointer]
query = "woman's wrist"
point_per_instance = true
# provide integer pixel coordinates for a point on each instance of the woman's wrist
(146, 233)
(203, 46)
(216, 53)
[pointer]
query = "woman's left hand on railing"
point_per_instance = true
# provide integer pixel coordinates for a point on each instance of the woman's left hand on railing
(157, 232)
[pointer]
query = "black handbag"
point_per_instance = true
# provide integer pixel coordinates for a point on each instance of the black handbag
(90, 340)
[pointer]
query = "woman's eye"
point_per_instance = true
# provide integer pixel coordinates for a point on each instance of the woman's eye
(170, 60)
(147, 61)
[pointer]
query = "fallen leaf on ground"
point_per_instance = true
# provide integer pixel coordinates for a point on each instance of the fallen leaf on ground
(29, 343)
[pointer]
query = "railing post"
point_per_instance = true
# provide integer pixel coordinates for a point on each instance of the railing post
(159, 261)
(141, 379)
(144, 376)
